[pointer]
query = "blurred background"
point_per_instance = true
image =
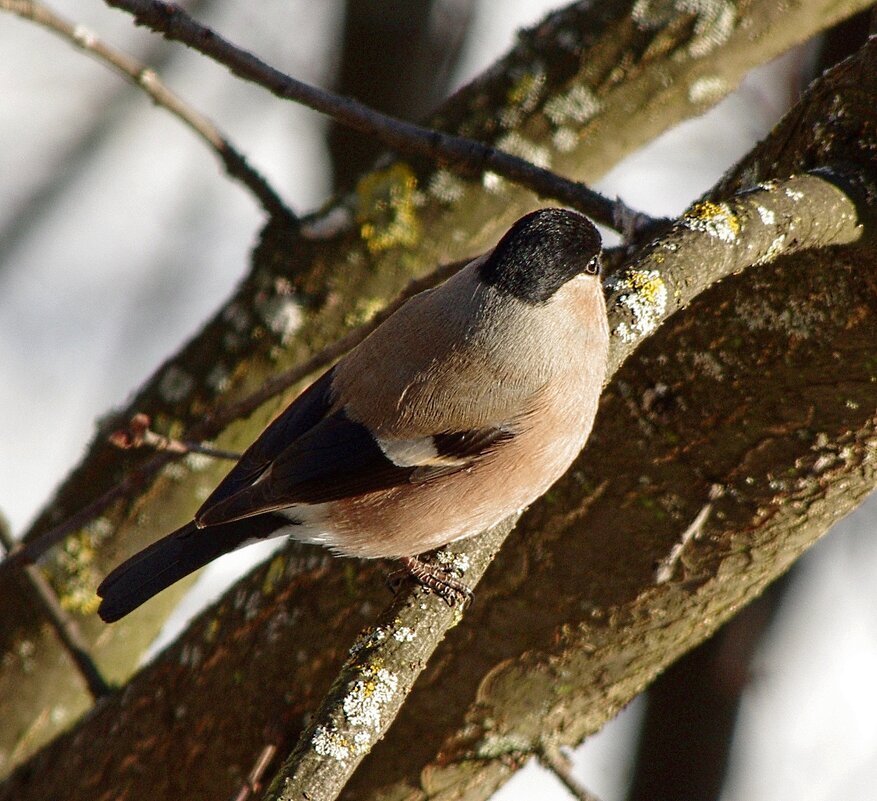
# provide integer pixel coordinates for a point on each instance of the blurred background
(119, 234)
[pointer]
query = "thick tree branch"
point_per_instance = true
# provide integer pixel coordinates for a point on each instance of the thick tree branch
(375, 680)
(294, 280)
(711, 242)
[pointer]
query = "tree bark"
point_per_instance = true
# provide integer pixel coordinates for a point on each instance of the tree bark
(570, 622)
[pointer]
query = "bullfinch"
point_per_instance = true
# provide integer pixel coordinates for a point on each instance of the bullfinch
(462, 407)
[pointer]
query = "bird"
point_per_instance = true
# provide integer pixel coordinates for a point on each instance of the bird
(462, 407)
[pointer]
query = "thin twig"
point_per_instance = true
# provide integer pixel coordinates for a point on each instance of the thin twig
(64, 625)
(667, 566)
(147, 79)
(138, 434)
(28, 553)
(280, 383)
(465, 156)
(213, 424)
(554, 760)
(253, 784)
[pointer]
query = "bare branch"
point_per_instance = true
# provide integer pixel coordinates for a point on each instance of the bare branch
(554, 760)
(138, 434)
(376, 679)
(28, 553)
(147, 79)
(465, 156)
(253, 783)
(64, 625)
(212, 425)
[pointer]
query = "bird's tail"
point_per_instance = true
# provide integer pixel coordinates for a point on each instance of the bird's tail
(173, 557)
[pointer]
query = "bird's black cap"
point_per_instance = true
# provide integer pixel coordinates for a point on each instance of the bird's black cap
(541, 252)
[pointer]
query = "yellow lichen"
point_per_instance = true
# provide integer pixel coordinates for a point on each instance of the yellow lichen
(648, 285)
(644, 294)
(364, 311)
(386, 208)
(74, 573)
(273, 574)
(522, 97)
(715, 219)
(526, 90)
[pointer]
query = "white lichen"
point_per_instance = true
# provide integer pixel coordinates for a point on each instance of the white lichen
(623, 332)
(716, 219)
(446, 187)
(564, 139)
(404, 634)
(524, 95)
(768, 217)
(716, 20)
(368, 639)
(708, 89)
(644, 294)
(519, 145)
(197, 462)
(328, 742)
(773, 250)
(99, 528)
(282, 314)
(458, 562)
(707, 364)
(491, 182)
(793, 319)
(577, 105)
(176, 471)
(364, 704)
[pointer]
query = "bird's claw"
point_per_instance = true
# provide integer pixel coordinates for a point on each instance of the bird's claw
(434, 577)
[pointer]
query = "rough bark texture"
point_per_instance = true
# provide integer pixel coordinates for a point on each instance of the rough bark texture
(693, 707)
(569, 623)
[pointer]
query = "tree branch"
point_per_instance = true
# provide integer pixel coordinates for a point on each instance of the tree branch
(294, 275)
(65, 627)
(554, 760)
(146, 79)
(375, 680)
(465, 156)
(754, 228)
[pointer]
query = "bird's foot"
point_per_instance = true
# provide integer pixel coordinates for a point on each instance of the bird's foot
(434, 577)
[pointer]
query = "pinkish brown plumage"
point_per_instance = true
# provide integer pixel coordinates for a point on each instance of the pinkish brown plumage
(461, 408)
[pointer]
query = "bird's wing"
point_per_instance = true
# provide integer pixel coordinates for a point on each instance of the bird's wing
(340, 457)
(305, 412)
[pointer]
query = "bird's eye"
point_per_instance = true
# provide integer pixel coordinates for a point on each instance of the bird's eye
(593, 266)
